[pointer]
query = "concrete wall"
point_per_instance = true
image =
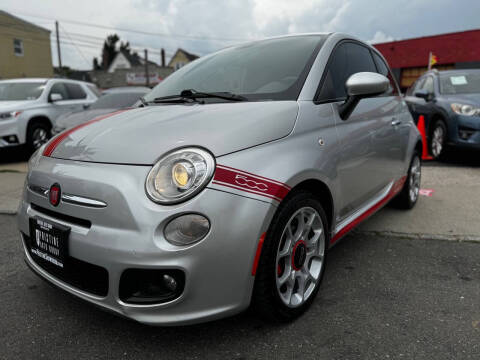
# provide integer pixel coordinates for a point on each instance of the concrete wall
(37, 58)
(106, 80)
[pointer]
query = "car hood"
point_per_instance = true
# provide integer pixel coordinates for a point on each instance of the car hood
(140, 136)
(472, 99)
(79, 117)
(17, 105)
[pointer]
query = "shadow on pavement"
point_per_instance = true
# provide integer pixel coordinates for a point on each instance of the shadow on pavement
(14, 155)
(458, 157)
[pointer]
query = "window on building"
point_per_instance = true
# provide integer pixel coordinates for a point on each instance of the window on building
(179, 65)
(348, 59)
(18, 47)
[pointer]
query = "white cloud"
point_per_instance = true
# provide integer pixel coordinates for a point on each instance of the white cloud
(380, 37)
(240, 19)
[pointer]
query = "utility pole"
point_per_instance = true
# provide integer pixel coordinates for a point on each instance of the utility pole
(58, 48)
(147, 79)
(162, 57)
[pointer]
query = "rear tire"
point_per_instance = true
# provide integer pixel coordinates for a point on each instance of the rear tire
(292, 262)
(38, 134)
(408, 197)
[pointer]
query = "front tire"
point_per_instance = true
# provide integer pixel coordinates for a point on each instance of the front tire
(292, 263)
(438, 139)
(37, 134)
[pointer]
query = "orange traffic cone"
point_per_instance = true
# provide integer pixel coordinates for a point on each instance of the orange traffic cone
(421, 128)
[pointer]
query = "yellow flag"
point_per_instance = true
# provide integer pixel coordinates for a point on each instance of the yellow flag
(433, 60)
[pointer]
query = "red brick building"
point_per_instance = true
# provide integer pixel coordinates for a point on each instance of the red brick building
(409, 58)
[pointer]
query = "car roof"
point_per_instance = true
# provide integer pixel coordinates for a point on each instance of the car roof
(457, 71)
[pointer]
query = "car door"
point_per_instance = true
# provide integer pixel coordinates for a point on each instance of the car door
(394, 138)
(62, 105)
(363, 169)
(419, 106)
(78, 96)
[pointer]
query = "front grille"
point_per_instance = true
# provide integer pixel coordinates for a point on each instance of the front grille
(77, 273)
(67, 218)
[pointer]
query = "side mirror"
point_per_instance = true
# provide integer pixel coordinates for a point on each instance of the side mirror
(359, 86)
(55, 97)
(86, 106)
(423, 94)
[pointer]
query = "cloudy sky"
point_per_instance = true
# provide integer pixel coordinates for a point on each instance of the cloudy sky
(203, 26)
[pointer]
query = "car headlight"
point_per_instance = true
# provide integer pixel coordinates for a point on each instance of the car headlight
(179, 175)
(9, 115)
(465, 109)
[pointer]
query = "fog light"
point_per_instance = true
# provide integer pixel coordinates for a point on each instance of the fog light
(151, 286)
(187, 229)
(170, 282)
(11, 139)
(466, 134)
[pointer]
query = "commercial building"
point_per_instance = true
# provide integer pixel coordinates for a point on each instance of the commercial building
(409, 58)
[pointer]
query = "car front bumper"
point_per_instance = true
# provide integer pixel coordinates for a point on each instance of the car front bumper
(466, 133)
(8, 128)
(128, 234)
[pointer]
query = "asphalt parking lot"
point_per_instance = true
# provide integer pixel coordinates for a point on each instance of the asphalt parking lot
(384, 296)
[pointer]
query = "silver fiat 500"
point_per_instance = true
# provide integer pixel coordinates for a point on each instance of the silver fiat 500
(226, 186)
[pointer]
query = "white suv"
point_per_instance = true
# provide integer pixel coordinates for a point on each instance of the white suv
(29, 107)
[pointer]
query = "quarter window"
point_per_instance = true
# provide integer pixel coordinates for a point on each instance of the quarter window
(348, 58)
(18, 47)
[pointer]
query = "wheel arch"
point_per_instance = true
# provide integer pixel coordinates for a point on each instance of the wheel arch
(322, 191)
(43, 119)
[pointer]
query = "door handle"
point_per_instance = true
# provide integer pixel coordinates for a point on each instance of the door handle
(395, 122)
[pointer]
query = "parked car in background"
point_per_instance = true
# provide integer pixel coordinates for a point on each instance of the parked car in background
(450, 103)
(124, 89)
(30, 107)
(104, 105)
(226, 186)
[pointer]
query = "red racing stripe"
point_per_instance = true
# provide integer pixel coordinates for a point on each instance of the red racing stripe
(52, 145)
(396, 188)
(251, 183)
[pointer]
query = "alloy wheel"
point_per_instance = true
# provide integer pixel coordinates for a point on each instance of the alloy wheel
(39, 137)
(414, 179)
(437, 141)
(300, 257)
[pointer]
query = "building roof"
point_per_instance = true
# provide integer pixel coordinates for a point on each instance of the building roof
(188, 55)
(36, 27)
(448, 48)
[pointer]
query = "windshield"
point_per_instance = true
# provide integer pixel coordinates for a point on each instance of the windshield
(117, 101)
(20, 91)
(461, 83)
(265, 70)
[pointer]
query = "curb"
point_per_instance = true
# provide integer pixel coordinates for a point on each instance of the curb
(413, 236)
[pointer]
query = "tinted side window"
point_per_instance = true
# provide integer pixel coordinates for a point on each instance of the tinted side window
(383, 69)
(75, 91)
(348, 58)
(428, 85)
(60, 88)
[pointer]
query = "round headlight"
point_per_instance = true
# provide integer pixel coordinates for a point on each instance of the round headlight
(179, 175)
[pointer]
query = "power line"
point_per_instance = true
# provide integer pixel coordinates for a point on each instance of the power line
(76, 47)
(81, 23)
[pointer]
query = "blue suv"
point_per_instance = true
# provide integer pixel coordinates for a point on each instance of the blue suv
(450, 102)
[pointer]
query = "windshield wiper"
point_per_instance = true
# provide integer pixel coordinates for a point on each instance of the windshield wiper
(192, 95)
(143, 102)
